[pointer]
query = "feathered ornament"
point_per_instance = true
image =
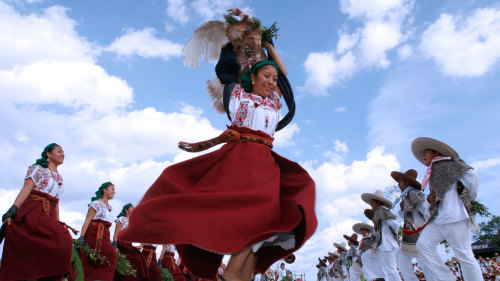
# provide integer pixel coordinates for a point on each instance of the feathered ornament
(246, 35)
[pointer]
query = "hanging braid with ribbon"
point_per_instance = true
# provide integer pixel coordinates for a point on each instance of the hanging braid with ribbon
(122, 213)
(99, 193)
(44, 161)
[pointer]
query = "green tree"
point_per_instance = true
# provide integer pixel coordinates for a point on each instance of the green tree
(489, 231)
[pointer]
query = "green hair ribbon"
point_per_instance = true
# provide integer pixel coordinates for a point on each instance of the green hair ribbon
(122, 213)
(44, 161)
(246, 81)
(99, 192)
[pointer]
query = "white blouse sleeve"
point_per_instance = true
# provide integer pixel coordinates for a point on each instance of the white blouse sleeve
(470, 179)
(96, 206)
(36, 174)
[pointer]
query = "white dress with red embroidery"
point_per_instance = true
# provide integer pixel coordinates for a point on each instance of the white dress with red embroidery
(123, 221)
(46, 181)
(253, 111)
(102, 211)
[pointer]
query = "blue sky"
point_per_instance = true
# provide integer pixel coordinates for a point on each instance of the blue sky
(105, 79)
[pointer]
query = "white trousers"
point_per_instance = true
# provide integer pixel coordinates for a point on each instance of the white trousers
(457, 235)
(371, 266)
(389, 266)
(403, 258)
(354, 274)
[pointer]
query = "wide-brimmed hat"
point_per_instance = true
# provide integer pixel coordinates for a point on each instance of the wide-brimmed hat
(333, 255)
(378, 195)
(419, 145)
(358, 226)
(409, 176)
(341, 246)
(322, 262)
(369, 213)
(353, 238)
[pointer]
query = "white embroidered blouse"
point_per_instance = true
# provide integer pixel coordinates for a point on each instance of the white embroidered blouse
(123, 221)
(45, 180)
(253, 111)
(103, 211)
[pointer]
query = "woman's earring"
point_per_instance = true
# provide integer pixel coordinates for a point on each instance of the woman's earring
(253, 83)
(48, 159)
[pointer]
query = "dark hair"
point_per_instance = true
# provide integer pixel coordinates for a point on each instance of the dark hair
(282, 264)
(99, 193)
(43, 161)
(125, 208)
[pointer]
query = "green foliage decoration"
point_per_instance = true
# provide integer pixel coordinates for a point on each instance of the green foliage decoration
(124, 267)
(89, 252)
(77, 265)
(165, 274)
(269, 33)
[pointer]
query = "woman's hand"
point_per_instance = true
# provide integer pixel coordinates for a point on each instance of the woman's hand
(273, 55)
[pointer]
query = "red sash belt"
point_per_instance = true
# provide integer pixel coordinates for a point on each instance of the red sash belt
(48, 201)
(229, 135)
(171, 257)
(44, 198)
(150, 250)
(100, 233)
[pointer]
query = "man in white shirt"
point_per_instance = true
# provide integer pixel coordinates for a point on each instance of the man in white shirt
(386, 226)
(281, 271)
(453, 185)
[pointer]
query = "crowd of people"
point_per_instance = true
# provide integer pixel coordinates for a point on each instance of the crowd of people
(444, 214)
(244, 200)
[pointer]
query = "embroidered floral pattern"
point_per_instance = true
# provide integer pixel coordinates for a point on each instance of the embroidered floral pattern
(241, 114)
(45, 180)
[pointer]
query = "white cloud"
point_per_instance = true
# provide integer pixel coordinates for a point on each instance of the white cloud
(325, 70)
(366, 47)
(284, 137)
(340, 109)
(53, 27)
(464, 46)
(176, 9)
(486, 164)
(405, 51)
(210, 9)
(144, 43)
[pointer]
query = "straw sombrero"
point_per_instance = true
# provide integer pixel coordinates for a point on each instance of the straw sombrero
(410, 176)
(333, 255)
(369, 214)
(419, 145)
(353, 238)
(341, 246)
(378, 195)
(358, 226)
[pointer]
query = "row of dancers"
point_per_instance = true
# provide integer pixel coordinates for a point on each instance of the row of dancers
(38, 245)
(444, 214)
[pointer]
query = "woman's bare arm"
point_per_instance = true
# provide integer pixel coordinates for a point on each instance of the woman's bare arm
(28, 186)
(90, 215)
(271, 52)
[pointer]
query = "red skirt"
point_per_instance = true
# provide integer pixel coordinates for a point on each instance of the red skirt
(225, 201)
(98, 230)
(149, 253)
(36, 244)
(136, 259)
(168, 261)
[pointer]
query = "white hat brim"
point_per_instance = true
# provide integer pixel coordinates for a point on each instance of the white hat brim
(367, 198)
(419, 145)
(358, 226)
(340, 246)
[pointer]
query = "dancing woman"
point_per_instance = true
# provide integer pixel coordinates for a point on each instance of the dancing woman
(95, 233)
(243, 199)
(134, 256)
(37, 245)
(167, 258)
